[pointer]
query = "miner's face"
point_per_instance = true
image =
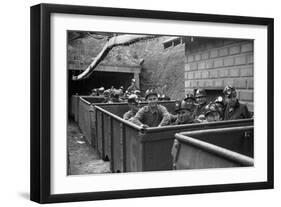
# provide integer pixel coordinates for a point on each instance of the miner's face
(201, 100)
(106, 97)
(133, 106)
(152, 101)
(213, 116)
(190, 101)
(184, 115)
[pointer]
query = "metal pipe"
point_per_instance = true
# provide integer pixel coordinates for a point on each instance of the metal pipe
(203, 132)
(118, 118)
(202, 125)
(228, 154)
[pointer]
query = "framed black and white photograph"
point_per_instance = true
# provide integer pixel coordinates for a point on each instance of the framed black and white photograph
(133, 103)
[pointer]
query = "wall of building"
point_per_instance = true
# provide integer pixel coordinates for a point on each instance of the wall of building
(212, 64)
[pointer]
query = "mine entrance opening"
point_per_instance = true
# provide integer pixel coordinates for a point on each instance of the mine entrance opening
(97, 80)
(212, 94)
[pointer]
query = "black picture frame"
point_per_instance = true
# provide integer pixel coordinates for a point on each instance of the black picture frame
(41, 96)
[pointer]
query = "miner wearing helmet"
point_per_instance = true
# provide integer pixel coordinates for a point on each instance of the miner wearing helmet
(101, 90)
(138, 93)
(114, 96)
(121, 94)
(234, 109)
(213, 113)
(190, 101)
(201, 100)
(94, 92)
(133, 104)
(132, 87)
(220, 103)
(153, 114)
(106, 95)
(184, 113)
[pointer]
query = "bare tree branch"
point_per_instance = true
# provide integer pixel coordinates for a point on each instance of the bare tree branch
(97, 37)
(112, 42)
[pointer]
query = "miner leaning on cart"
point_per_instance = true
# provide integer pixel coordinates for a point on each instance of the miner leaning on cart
(152, 115)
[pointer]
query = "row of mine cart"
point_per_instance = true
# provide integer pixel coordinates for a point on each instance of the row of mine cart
(130, 148)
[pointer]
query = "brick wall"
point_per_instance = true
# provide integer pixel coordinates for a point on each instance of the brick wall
(214, 64)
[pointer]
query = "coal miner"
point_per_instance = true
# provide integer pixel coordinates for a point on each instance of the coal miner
(220, 103)
(201, 100)
(94, 92)
(100, 91)
(138, 93)
(213, 113)
(234, 109)
(190, 101)
(152, 115)
(184, 113)
(106, 95)
(133, 104)
(114, 96)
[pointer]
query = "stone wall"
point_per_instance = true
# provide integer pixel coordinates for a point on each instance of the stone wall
(161, 66)
(212, 64)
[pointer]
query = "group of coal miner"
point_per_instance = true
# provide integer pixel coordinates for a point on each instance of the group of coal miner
(192, 109)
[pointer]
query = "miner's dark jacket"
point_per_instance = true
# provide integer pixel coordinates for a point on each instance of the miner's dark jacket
(240, 112)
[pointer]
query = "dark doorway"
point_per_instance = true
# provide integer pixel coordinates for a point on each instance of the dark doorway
(97, 80)
(212, 94)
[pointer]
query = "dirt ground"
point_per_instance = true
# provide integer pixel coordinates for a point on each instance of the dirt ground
(83, 159)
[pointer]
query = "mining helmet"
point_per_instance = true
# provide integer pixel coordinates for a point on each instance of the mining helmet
(133, 98)
(150, 92)
(189, 96)
(160, 97)
(106, 92)
(181, 105)
(101, 89)
(200, 93)
(219, 101)
(229, 91)
(133, 80)
(166, 98)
